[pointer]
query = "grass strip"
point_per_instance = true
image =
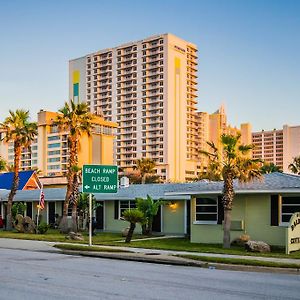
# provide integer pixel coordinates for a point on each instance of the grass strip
(88, 248)
(240, 261)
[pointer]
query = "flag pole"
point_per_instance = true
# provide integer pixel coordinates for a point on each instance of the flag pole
(90, 225)
(39, 207)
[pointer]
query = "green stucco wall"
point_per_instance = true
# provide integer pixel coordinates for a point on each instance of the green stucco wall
(173, 219)
(255, 210)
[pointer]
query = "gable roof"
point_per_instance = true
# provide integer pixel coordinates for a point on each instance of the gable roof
(28, 180)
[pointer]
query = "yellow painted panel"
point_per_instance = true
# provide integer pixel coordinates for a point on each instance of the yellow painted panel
(76, 77)
(177, 63)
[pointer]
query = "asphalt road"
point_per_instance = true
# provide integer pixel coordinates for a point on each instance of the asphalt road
(40, 275)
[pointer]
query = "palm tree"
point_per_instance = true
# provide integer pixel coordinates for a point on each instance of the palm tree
(149, 208)
(133, 216)
(232, 162)
(268, 168)
(295, 165)
(17, 129)
(76, 120)
(146, 167)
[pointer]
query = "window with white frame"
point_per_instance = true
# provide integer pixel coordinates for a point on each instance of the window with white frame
(206, 210)
(126, 204)
(289, 205)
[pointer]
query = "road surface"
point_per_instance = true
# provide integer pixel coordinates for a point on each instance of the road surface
(41, 275)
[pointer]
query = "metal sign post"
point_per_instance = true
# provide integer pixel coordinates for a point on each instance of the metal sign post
(98, 179)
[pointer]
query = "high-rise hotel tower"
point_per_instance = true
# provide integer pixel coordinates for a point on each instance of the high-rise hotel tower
(149, 88)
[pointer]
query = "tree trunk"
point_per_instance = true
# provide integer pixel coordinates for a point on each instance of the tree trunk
(144, 229)
(227, 225)
(74, 225)
(15, 185)
(150, 224)
(144, 179)
(130, 233)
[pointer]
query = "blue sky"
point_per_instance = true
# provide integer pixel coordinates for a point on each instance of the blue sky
(249, 51)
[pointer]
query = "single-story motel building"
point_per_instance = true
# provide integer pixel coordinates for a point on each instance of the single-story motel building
(262, 209)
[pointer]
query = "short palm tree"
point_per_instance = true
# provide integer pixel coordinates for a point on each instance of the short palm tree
(149, 207)
(133, 216)
(146, 167)
(295, 165)
(18, 129)
(229, 163)
(76, 120)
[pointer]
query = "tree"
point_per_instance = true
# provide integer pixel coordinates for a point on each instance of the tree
(3, 164)
(76, 120)
(295, 165)
(133, 216)
(149, 208)
(268, 168)
(146, 167)
(17, 129)
(232, 162)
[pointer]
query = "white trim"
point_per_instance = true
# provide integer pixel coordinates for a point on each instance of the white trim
(217, 192)
(47, 213)
(205, 222)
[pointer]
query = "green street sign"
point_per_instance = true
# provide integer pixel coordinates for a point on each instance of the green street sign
(99, 179)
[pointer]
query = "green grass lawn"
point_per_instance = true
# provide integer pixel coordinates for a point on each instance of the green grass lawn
(177, 244)
(54, 235)
(182, 244)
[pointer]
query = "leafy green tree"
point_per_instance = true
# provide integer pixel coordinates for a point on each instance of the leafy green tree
(132, 216)
(3, 164)
(229, 163)
(18, 208)
(76, 120)
(83, 208)
(268, 168)
(18, 129)
(295, 165)
(149, 208)
(146, 168)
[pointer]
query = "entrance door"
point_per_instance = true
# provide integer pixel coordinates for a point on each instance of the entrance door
(29, 209)
(156, 226)
(51, 213)
(100, 215)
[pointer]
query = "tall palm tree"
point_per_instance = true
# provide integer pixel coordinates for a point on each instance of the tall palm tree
(232, 162)
(295, 165)
(146, 167)
(18, 129)
(76, 120)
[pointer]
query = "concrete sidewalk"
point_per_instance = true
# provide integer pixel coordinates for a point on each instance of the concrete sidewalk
(152, 255)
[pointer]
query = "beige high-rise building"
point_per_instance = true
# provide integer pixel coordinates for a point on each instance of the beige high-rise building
(49, 151)
(277, 146)
(149, 88)
(210, 129)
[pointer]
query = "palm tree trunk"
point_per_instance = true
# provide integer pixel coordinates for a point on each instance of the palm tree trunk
(130, 233)
(74, 225)
(227, 200)
(14, 187)
(227, 225)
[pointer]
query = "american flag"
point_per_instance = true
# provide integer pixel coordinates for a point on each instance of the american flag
(42, 200)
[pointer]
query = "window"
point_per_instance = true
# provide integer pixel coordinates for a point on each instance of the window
(124, 205)
(53, 138)
(289, 205)
(206, 210)
(56, 145)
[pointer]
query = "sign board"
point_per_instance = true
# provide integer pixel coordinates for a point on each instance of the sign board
(293, 234)
(99, 179)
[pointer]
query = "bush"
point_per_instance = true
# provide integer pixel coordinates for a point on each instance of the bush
(43, 228)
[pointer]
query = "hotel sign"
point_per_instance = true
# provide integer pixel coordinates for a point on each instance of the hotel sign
(293, 234)
(99, 179)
